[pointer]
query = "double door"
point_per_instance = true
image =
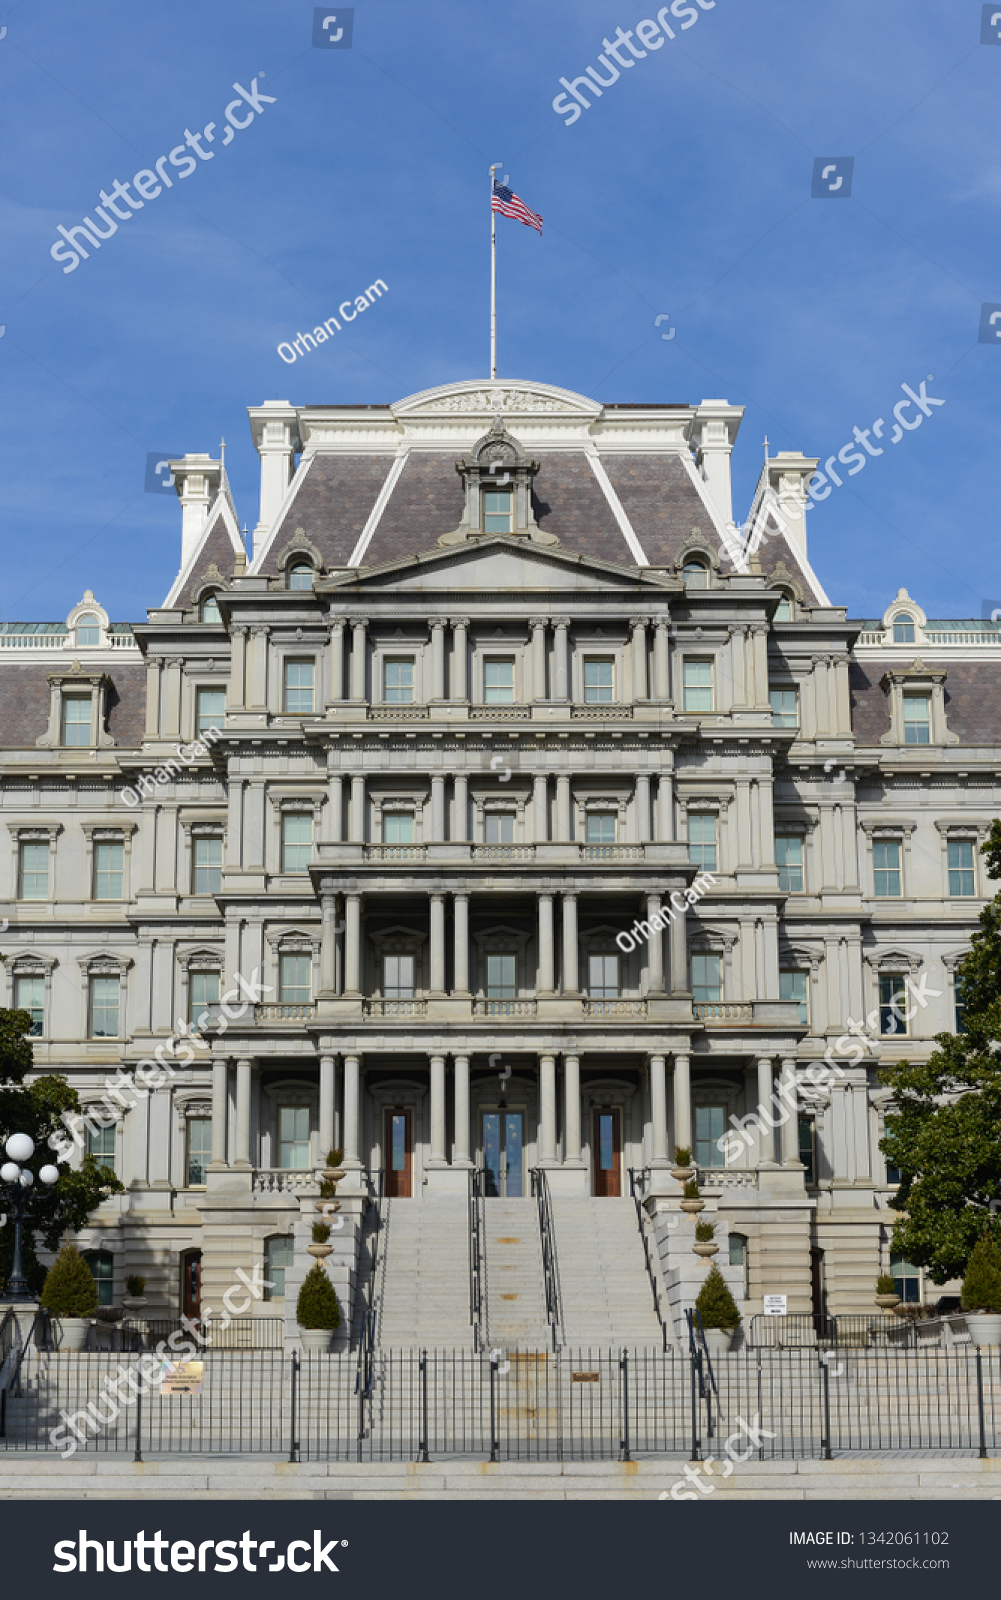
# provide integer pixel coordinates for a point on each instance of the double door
(503, 1136)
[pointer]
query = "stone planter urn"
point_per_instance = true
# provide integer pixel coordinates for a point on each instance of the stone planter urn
(683, 1174)
(693, 1206)
(888, 1302)
(73, 1332)
(333, 1174)
(315, 1341)
(134, 1302)
(320, 1251)
(705, 1248)
(984, 1326)
(718, 1342)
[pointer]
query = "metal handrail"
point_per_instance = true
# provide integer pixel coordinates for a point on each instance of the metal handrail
(366, 1344)
(634, 1188)
(477, 1261)
(550, 1259)
(10, 1388)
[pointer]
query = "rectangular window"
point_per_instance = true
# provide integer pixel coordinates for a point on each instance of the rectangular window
(706, 979)
(601, 827)
(104, 995)
(398, 681)
(785, 708)
(76, 719)
(793, 986)
(199, 1148)
(34, 873)
(29, 995)
(886, 868)
(207, 866)
(498, 682)
(499, 827)
(917, 719)
(789, 859)
(279, 1253)
(102, 1267)
(698, 683)
(497, 511)
(599, 682)
(710, 1126)
(807, 1148)
(702, 840)
(210, 709)
(906, 1280)
(297, 841)
(397, 827)
(893, 1005)
(961, 875)
(293, 1137)
(398, 977)
(109, 870)
(501, 977)
(603, 977)
(203, 991)
(299, 687)
(295, 979)
(101, 1145)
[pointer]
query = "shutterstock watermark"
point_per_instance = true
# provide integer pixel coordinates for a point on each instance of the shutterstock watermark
(649, 33)
(150, 782)
(643, 929)
(693, 1484)
(855, 459)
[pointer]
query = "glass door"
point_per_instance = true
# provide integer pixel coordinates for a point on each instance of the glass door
(503, 1154)
(606, 1147)
(398, 1153)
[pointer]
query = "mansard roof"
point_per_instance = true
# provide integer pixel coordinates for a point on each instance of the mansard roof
(220, 545)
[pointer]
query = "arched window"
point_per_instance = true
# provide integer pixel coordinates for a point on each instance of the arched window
(88, 630)
(300, 576)
(783, 611)
(102, 1266)
(210, 609)
(903, 629)
(695, 573)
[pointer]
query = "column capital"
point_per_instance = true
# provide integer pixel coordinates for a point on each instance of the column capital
(459, 622)
(561, 622)
(437, 622)
(538, 622)
(638, 622)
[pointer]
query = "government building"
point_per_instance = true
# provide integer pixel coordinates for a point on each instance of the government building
(430, 772)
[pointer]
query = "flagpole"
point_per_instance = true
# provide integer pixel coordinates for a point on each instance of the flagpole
(493, 280)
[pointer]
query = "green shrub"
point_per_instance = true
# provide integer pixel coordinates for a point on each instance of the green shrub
(715, 1304)
(705, 1231)
(885, 1284)
(135, 1285)
(334, 1158)
(691, 1190)
(70, 1290)
(317, 1305)
(982, 1283)
(682, 1156)
(321, 1232)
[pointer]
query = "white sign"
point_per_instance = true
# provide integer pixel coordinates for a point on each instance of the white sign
(775, 1305)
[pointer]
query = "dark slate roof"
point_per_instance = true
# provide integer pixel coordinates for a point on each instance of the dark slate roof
(568, 501)
(24, 702)
(972, 704)
(661, 502)
(779, 551)
(332, 507)
(427, 501)
(218, 547)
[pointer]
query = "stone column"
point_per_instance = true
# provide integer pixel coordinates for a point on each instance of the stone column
(220, 1109)
(259, 689)
(547, 964)
(328, 942)
(352, 1108)
(560, 690)
(461, 908)
(359, 651)
(682, 1103)
(460, 684)
(335, 807)
(337, 661)
(437, 658)
(437, 1112)
(538, 626)
(765, 1138)
(242, 1113)
(358, 793)
(547, 1111)
(788, 1130)
(665, 807)
(638, 625)
(563, 806)
(328, 1066)
(461, 809)
(437, 945)
(460, 1145)
(153, 668)
(658, 1112)
(679, 952)
(571, 1110)
(643, 829)
(540, 807)
(655, 947)
(438, 807)
(172, 698)
(352, 945)
(661, 675)
(571, 975)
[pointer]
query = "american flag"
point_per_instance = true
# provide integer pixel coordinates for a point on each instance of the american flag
(507, 203)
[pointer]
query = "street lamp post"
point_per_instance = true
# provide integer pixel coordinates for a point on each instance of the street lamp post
(19, 1181)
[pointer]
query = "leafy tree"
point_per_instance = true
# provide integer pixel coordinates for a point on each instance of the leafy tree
(945, 1130)
(317, 1305)
(715, 1304)
(70, 1290)
(982, 1284)
(36, 1109)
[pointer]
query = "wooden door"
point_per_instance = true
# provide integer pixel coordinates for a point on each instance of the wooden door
(397, 1151)
(606, 1151)
(191, 1284)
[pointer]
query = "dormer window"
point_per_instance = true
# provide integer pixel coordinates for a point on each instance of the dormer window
(88, 631)
(210, 609)
(903, 629)
(300, 575)
(497, 511)
(783, 611)
(695, 573)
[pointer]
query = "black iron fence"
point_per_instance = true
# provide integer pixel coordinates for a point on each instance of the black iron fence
(858, 1331)
(572, 1405)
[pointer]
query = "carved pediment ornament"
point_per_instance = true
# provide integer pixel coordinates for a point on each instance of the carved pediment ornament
(497, 460)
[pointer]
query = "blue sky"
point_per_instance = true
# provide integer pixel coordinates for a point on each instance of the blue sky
(685, 189)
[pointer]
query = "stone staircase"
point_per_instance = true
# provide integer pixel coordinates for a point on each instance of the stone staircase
(516, 1293)
(607, 1299)
(423, 1274)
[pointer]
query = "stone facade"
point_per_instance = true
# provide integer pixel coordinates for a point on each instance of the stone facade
(490, 696)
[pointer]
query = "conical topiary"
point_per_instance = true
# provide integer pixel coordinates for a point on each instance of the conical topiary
(70, 1290)
(715, 1304)
(982, 1283)
(317, 1305)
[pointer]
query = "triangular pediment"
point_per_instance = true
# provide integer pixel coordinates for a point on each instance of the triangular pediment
(499, 562)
